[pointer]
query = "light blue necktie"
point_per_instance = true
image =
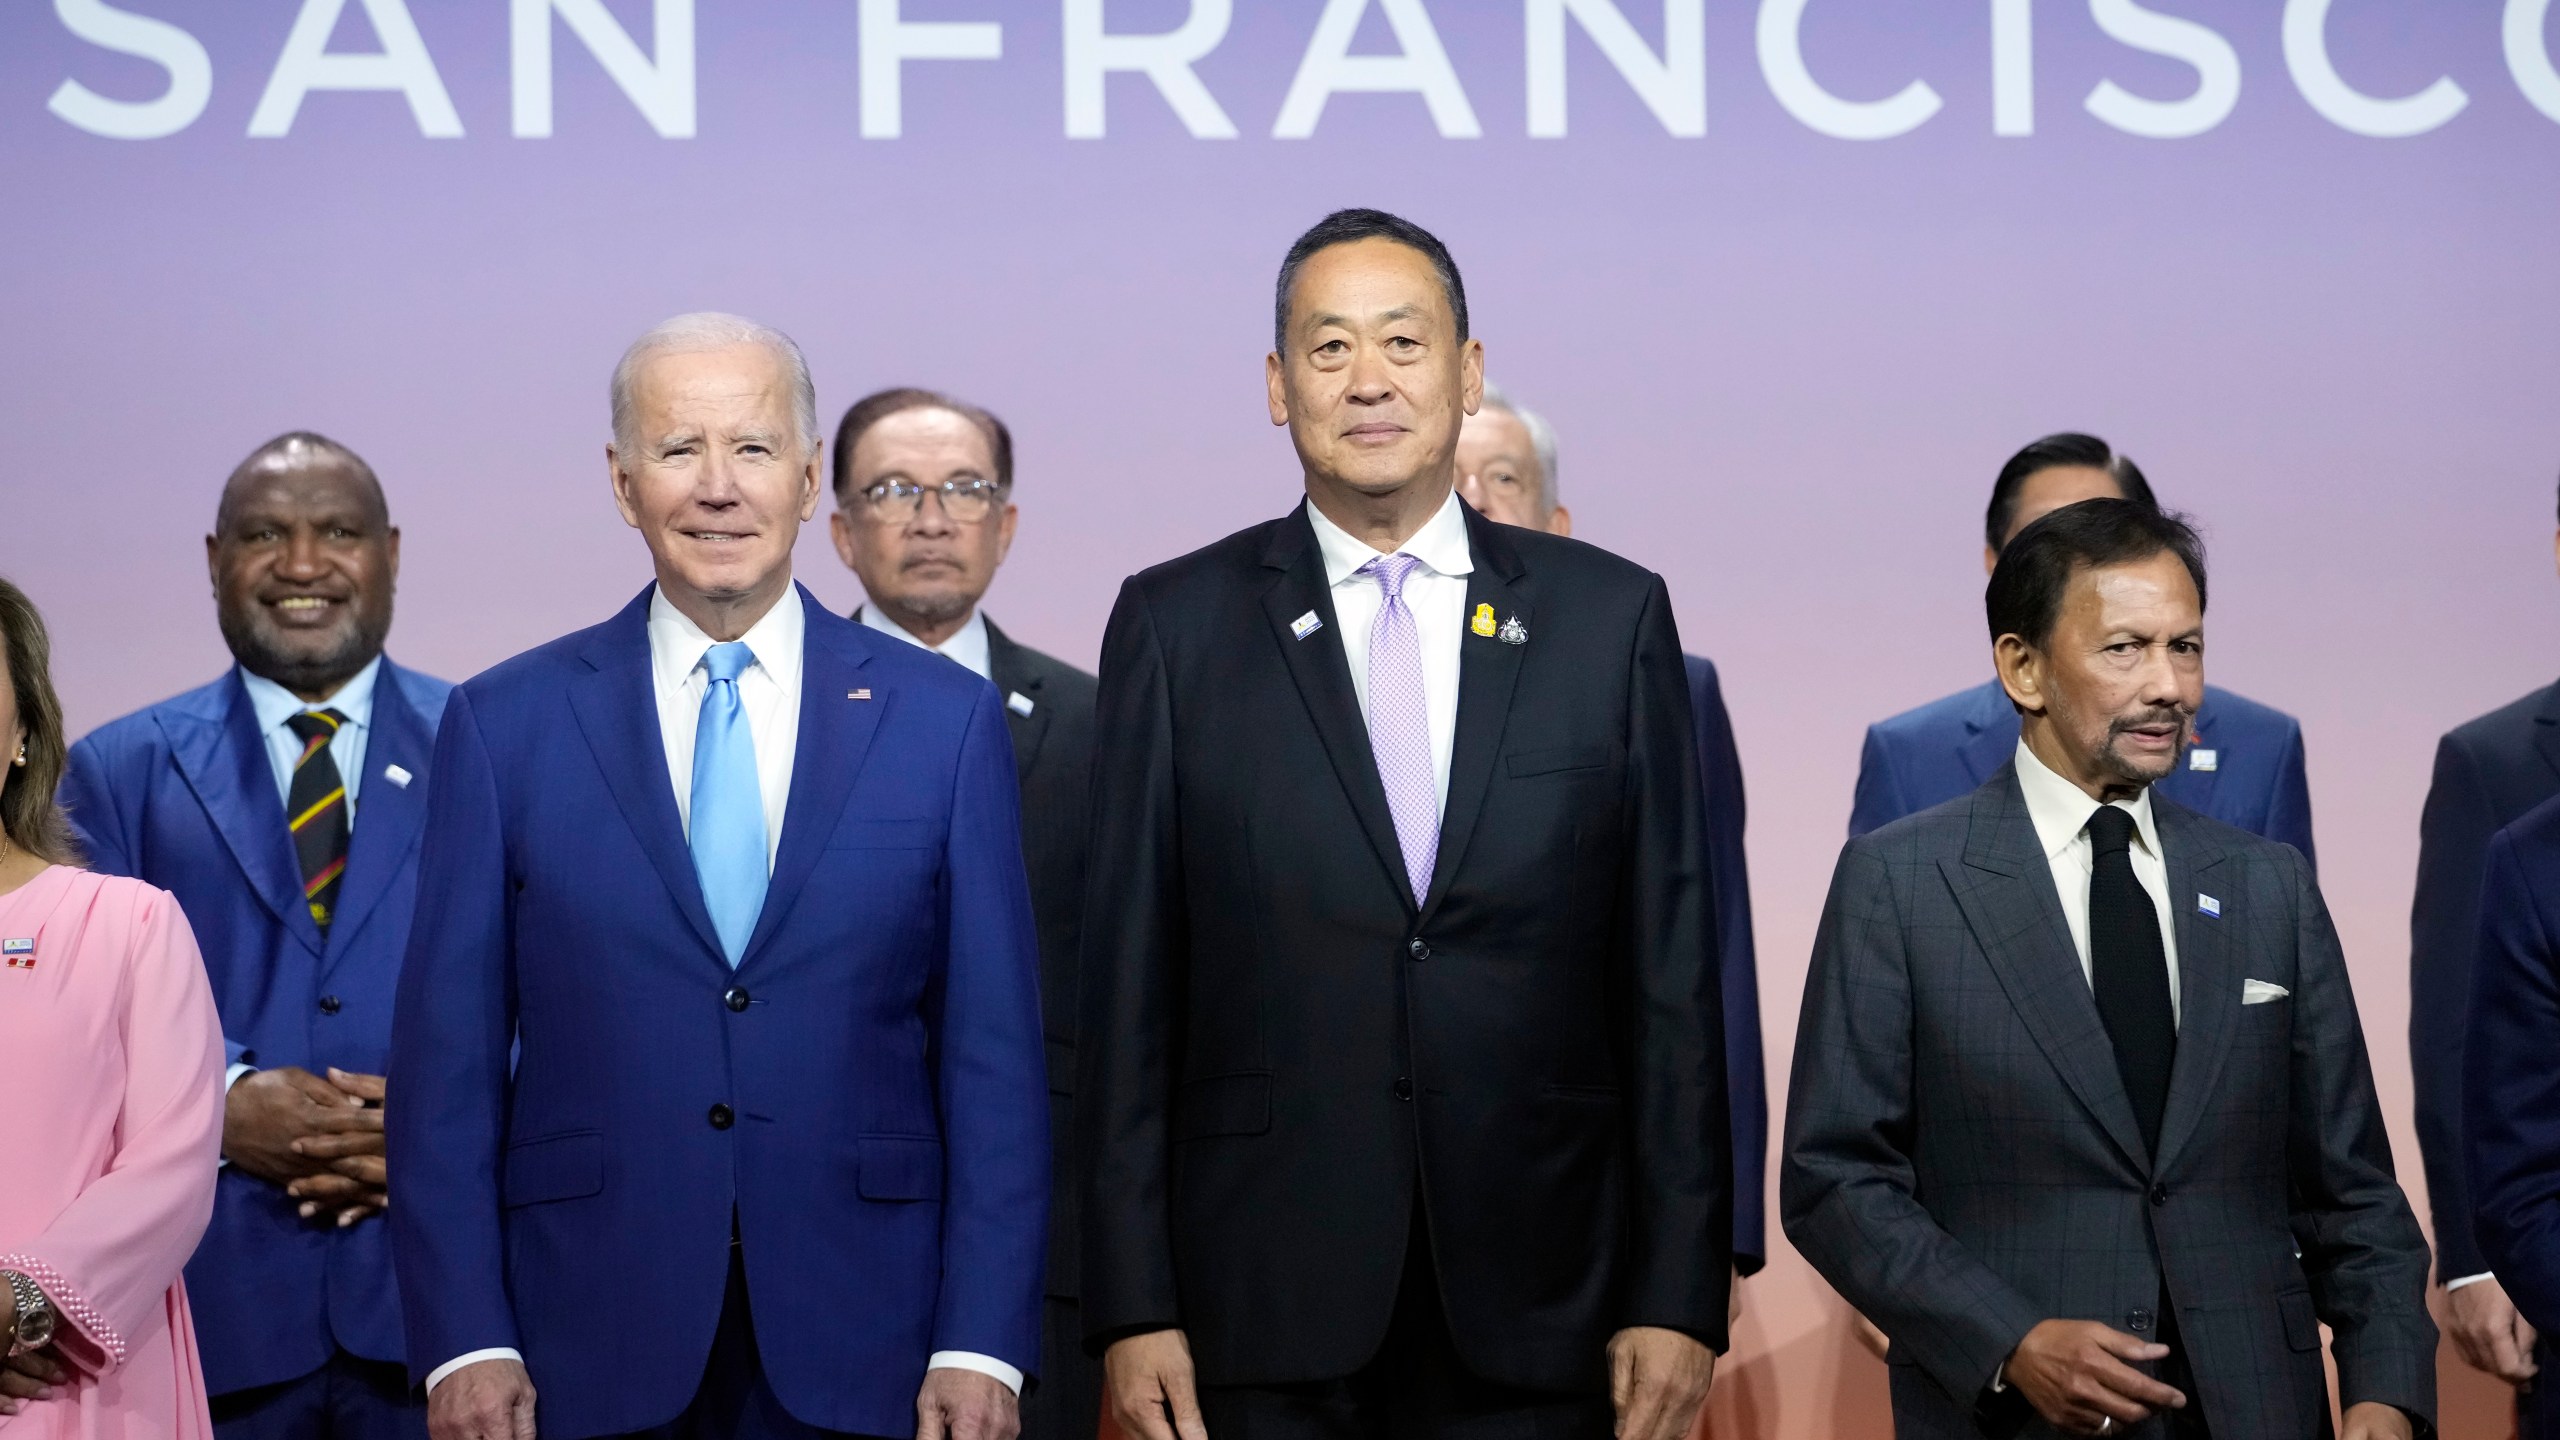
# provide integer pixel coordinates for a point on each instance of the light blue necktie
(728, 804)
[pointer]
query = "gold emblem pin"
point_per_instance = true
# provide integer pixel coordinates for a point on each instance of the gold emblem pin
(1483, 623)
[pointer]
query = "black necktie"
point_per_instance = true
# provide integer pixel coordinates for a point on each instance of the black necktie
(317, 806)
(2129, 970)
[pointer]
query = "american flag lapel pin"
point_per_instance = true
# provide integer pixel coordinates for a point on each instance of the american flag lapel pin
(18, 953)
(862, 694)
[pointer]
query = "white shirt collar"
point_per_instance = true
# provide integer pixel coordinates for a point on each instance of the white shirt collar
(677, 645)
(274, 705)
(2061, 810)
(968, 644)
(1441, 543)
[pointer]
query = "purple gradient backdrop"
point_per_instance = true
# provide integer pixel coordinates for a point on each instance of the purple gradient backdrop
(1784, 366)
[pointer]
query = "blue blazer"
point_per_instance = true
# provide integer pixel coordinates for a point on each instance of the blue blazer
(864, 1099)
(2511, 1066)
(1746, 1082)
(1950, 747)
(183, 796)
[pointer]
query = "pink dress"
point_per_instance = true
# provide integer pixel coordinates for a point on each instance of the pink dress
(110, 1128)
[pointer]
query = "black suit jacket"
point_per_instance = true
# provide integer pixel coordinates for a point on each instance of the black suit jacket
(1746, 1080)
(2488, 773)
(1053, 756)
(1282, 1055)
(1961, 1162)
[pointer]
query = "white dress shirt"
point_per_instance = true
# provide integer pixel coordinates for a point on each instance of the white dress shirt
(2061, 812)
(769, 691)
(275, 707)
(1436, 593)
(968, 644)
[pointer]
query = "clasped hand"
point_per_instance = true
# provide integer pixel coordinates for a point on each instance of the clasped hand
(321, 1139)
(30, 1377)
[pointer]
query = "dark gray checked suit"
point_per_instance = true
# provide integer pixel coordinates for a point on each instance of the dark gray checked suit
(1962, 1163)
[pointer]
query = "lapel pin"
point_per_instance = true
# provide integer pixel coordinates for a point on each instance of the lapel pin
(397, 776)
(1513, 632)
(862, 694)
(19, 954)
(1305, 625)
(1020, 704)
(2206, 760)
(2206, 904)
(1483, 623)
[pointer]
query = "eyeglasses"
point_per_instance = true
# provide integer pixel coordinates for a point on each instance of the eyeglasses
(895, 502)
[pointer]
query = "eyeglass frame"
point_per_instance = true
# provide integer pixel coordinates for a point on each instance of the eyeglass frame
(993, 492)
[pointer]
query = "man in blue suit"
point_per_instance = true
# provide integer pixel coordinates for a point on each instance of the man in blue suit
(723, 1111)
(2244, 768)
(2510, 1112)
(2489, 772)
(1507, 470)
(281, 805)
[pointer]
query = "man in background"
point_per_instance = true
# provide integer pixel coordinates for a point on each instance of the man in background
(1508, 470)
(2488, 773)
(925, 515)
(281, 804)
(2245, 767)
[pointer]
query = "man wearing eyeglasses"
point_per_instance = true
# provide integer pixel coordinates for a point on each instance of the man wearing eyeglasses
(924, 515)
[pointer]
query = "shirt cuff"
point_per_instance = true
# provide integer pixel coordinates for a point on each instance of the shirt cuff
(2452, 1285)
(231, 1077)
(970, 1360)
(437, 1376)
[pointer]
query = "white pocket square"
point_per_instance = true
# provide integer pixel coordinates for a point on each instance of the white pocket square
(2259, 992)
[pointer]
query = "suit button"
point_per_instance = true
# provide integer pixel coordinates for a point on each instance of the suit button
(722, 1117)
(2159, 1193)
(1417, 949)
(330, 1005)
(737, 1000)
(1404, 1088)
(2138, 1321)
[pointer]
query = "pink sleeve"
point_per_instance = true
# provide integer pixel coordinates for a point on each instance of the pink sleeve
(108, 1260)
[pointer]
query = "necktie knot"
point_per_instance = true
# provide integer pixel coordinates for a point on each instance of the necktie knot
(1391, 571)
(2110, 830)
(312, 725)
(728, 661)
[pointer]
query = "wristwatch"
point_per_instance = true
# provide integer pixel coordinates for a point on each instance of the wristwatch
(34, 1329)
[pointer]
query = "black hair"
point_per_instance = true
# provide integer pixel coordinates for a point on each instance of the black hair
(2025, 595)
(1344, 227)
(871, 409)
(300, 447)
(2068, 447)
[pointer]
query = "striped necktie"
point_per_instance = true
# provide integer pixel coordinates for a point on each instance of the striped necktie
(317, 803)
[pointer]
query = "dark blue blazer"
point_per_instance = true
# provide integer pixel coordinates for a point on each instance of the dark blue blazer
(1746, 1083)
(183, 796)
(2511, 1067)
(1951, 747)
(864, 1098)
(2489, 773)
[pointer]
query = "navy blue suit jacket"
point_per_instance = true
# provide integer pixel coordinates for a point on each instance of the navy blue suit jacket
(2511, 1067)
(1926, 757)
(865, 1097)
(2489, 772)
(1746, 1083)
(183, 796)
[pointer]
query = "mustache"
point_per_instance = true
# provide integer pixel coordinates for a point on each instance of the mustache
(2178, 715)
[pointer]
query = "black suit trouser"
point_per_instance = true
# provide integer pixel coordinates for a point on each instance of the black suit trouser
(1415, 1388)
(1067, 1403)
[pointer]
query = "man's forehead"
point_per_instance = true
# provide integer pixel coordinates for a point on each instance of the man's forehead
(925, 435)
(2155, 588)
(1367, 282)
(283, 482)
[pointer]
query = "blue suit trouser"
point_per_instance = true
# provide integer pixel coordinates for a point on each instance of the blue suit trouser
(350, 1398)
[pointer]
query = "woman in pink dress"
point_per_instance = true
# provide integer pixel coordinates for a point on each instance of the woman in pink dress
(109, 1140)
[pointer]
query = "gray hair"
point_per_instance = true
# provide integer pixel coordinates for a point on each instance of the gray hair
(1542, 436)
(711, 330)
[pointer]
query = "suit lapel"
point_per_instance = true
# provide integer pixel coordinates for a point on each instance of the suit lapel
(616, 705)
(1488, 672)
(2546, 729)
(1323, 678)
(1012, 678)
(388, 816)
(2005, 889)
(2209, 978)
(835, 735)
(1991, 734)
(226, 765)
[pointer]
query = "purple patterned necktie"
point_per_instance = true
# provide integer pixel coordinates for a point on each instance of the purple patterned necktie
(1400, 723)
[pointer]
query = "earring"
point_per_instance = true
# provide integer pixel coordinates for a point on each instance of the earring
(22, 756)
